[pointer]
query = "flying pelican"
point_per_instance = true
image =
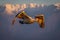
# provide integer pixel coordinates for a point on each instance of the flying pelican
(29, 20)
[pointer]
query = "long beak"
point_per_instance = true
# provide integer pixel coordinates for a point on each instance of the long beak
(13, 21)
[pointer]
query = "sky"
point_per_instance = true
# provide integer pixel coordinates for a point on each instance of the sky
(30, 31)
(48, 2)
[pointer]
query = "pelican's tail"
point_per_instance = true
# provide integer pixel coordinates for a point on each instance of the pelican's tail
(40, 20)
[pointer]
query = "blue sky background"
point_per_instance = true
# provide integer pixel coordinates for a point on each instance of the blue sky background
(29, 1)
(30, 31)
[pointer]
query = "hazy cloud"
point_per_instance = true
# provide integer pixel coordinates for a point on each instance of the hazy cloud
(57, 5)
(10, 8)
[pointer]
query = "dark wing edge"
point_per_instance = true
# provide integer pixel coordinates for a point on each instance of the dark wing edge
(41, 20)
(41, 24)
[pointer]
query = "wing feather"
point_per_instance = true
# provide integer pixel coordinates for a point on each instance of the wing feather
(40, 20)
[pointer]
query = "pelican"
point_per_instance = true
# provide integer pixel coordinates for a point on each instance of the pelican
(29, 20)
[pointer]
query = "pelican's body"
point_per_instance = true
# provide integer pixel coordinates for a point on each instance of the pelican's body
(29, 20)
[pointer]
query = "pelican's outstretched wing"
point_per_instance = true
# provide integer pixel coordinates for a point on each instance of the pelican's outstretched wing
(40, 20)
(22, 15)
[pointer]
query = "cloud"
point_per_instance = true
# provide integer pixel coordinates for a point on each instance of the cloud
(33, 5)
(23, 6)
(11, 8)
(17, 7)
(42, 5)
(57, 5)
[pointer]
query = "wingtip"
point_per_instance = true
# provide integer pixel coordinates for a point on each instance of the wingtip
(42, 25)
